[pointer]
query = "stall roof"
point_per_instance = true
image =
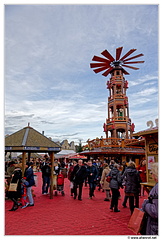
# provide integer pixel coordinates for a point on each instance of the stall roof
(139, 143)
(146, 132)
(64, 153)
(28, 139)
(134, 151)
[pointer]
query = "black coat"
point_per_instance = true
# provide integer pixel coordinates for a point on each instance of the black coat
(46, 171)
(132, 180)
(79, 174)
(17, 176)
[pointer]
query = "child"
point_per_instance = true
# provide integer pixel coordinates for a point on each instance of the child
(23, 198)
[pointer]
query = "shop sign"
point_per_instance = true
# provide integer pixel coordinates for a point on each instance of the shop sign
(153, 148)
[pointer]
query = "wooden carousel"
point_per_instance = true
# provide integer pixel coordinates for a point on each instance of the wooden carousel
(118, 126)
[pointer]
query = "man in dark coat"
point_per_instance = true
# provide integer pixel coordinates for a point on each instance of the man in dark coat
(92, 173)
(46, 172)
(132, 181)
(79, 174)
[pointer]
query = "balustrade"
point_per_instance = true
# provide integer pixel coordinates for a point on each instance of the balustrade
(115, 119)
(109, 142)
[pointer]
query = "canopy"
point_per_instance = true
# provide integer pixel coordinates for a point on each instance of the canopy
(28, 140)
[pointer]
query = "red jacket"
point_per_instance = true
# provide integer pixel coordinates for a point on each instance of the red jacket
(142, 172)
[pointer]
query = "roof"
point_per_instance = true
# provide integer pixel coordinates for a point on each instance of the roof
(64, 153)
(147, 131)
(134, 151)
(33, 155)
(138, 143)
(28, 139)
(69, 155)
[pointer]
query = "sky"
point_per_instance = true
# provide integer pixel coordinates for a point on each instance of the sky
(48, 81)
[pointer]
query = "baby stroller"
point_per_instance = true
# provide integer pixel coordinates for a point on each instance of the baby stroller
(60, 184)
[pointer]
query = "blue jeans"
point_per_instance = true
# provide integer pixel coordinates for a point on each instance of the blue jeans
(29, 195)
(46, 184)
(92, 186)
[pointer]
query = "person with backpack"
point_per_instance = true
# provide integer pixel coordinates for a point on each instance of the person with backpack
(46, 172)
(115, 184)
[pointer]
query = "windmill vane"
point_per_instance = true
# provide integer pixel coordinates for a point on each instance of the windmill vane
(108, 63)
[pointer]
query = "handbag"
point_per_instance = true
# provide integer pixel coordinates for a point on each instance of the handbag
(137, 221)
(13, 187)
(108, 179)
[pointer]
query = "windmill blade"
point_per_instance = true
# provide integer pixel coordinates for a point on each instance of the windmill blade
(118, 53)
(136, 56)
(107, 72)
(106, 54)
(96, 65)
(133, 62)
(99, 59)
(127, 54)
(135, 68)
(99, 69)
(125, 72)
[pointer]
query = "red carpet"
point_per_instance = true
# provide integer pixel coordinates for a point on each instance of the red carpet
(63, 215)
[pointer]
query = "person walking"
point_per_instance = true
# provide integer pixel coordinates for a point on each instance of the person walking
(132, 181)
(70, 177)
(92, 174)
(46, 172)
(30, 179)
(150, 206)
(115, 184)
(104, 183)
(14, 195)
(100, 170)
(79, 174)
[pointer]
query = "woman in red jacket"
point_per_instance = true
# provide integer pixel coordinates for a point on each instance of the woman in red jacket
(142, 171)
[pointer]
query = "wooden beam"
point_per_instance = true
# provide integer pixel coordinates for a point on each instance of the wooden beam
(23, 162)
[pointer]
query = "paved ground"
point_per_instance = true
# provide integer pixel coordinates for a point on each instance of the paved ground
(63, 215)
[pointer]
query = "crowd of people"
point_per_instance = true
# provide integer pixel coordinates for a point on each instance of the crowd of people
(95, 174)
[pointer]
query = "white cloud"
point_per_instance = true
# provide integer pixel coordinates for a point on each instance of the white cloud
(144, 79)
(147, 92)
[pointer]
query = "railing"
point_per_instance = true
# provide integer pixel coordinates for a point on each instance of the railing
(118, 95)
(120, 118)
(109, 142)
